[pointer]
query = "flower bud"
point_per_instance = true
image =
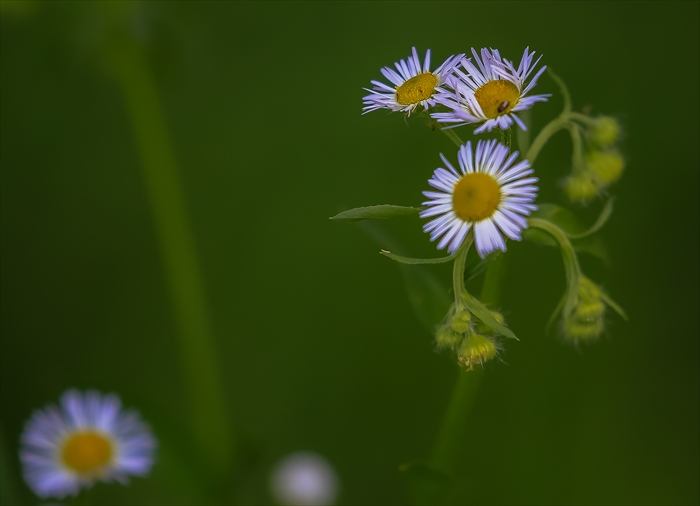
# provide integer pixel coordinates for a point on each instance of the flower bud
(589, 311)
(577, 330)
(604, 131)
(460, 322)
(581, 187)
(606, 165)
(588, 290)
(447, 338)
(476, 349)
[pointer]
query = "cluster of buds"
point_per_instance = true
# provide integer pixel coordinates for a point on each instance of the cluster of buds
(472, 340)
(586, 321)
(601, 165)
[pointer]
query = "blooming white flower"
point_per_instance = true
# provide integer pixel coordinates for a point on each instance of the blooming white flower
(88, 438)
(490, 94)
(488, 194)
(304, 479)
(413, 85)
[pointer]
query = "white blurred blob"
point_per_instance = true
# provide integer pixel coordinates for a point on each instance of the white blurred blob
(304, 479)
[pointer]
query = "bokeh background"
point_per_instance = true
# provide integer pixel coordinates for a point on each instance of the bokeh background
(317, 343)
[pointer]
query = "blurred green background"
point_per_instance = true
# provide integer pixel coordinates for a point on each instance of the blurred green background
(318, 346)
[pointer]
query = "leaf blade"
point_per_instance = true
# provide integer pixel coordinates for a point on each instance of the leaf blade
(381, 212)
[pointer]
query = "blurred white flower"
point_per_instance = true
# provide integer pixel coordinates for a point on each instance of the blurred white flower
(304, 479)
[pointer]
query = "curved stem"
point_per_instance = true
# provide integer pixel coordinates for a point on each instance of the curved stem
(577, 151)
(552, 127)
(454, 424)
(210, 423)
(582, 118)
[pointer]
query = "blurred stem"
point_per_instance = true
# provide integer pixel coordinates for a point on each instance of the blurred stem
(201, 370)
(458, 271)
(577, 152)
(454, 425)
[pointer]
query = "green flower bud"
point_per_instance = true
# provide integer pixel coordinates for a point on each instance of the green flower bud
(460, 322)
(447, 338)
(577, 330)
(604, 131)
(607, 165)
(476, 349)
(588, 290)
(589, 311)
(581, 187)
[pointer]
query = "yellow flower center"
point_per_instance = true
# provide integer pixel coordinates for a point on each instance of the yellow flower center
(476, 196)
(416, 89)
(87, 452)
(497, 97)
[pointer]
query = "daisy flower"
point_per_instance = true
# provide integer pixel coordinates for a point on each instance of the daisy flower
(413, 85)
(88, 438)
(490, 94)
(488, 195)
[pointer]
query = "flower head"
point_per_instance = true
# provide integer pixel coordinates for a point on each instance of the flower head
(304, 479)
(489, 194)
(490, 94)
(413, 85)
(88, 438)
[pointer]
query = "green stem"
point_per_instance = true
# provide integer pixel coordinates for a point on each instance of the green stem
(552, 127)
(452, 136)
(458, 271)
(577, 151)
(447, 131)
(210, 422)
(571, 265)
(452, 430)
(582, 118)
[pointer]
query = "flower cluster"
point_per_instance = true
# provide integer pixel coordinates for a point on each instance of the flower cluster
(489, 93)
(488, 196)
(601, 164)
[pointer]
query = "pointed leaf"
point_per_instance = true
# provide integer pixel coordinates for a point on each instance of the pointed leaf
(482, 312)
(415, 261)
(618, 309)
(382, 212)
(602, 218)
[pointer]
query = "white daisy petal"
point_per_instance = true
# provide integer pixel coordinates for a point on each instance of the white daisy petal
(491, 198)
(476, 94)
(421, 86)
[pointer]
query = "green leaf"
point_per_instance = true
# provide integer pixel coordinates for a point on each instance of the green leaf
(581, 239)
(602, 218)
(415, 261)
(482, 312)
(382, 212)
(618, 309)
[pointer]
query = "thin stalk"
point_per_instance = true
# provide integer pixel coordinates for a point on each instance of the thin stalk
(552, 127)
(458, 271)
(582, 118)
(577, 151)
(210, 422)
(452, 431)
